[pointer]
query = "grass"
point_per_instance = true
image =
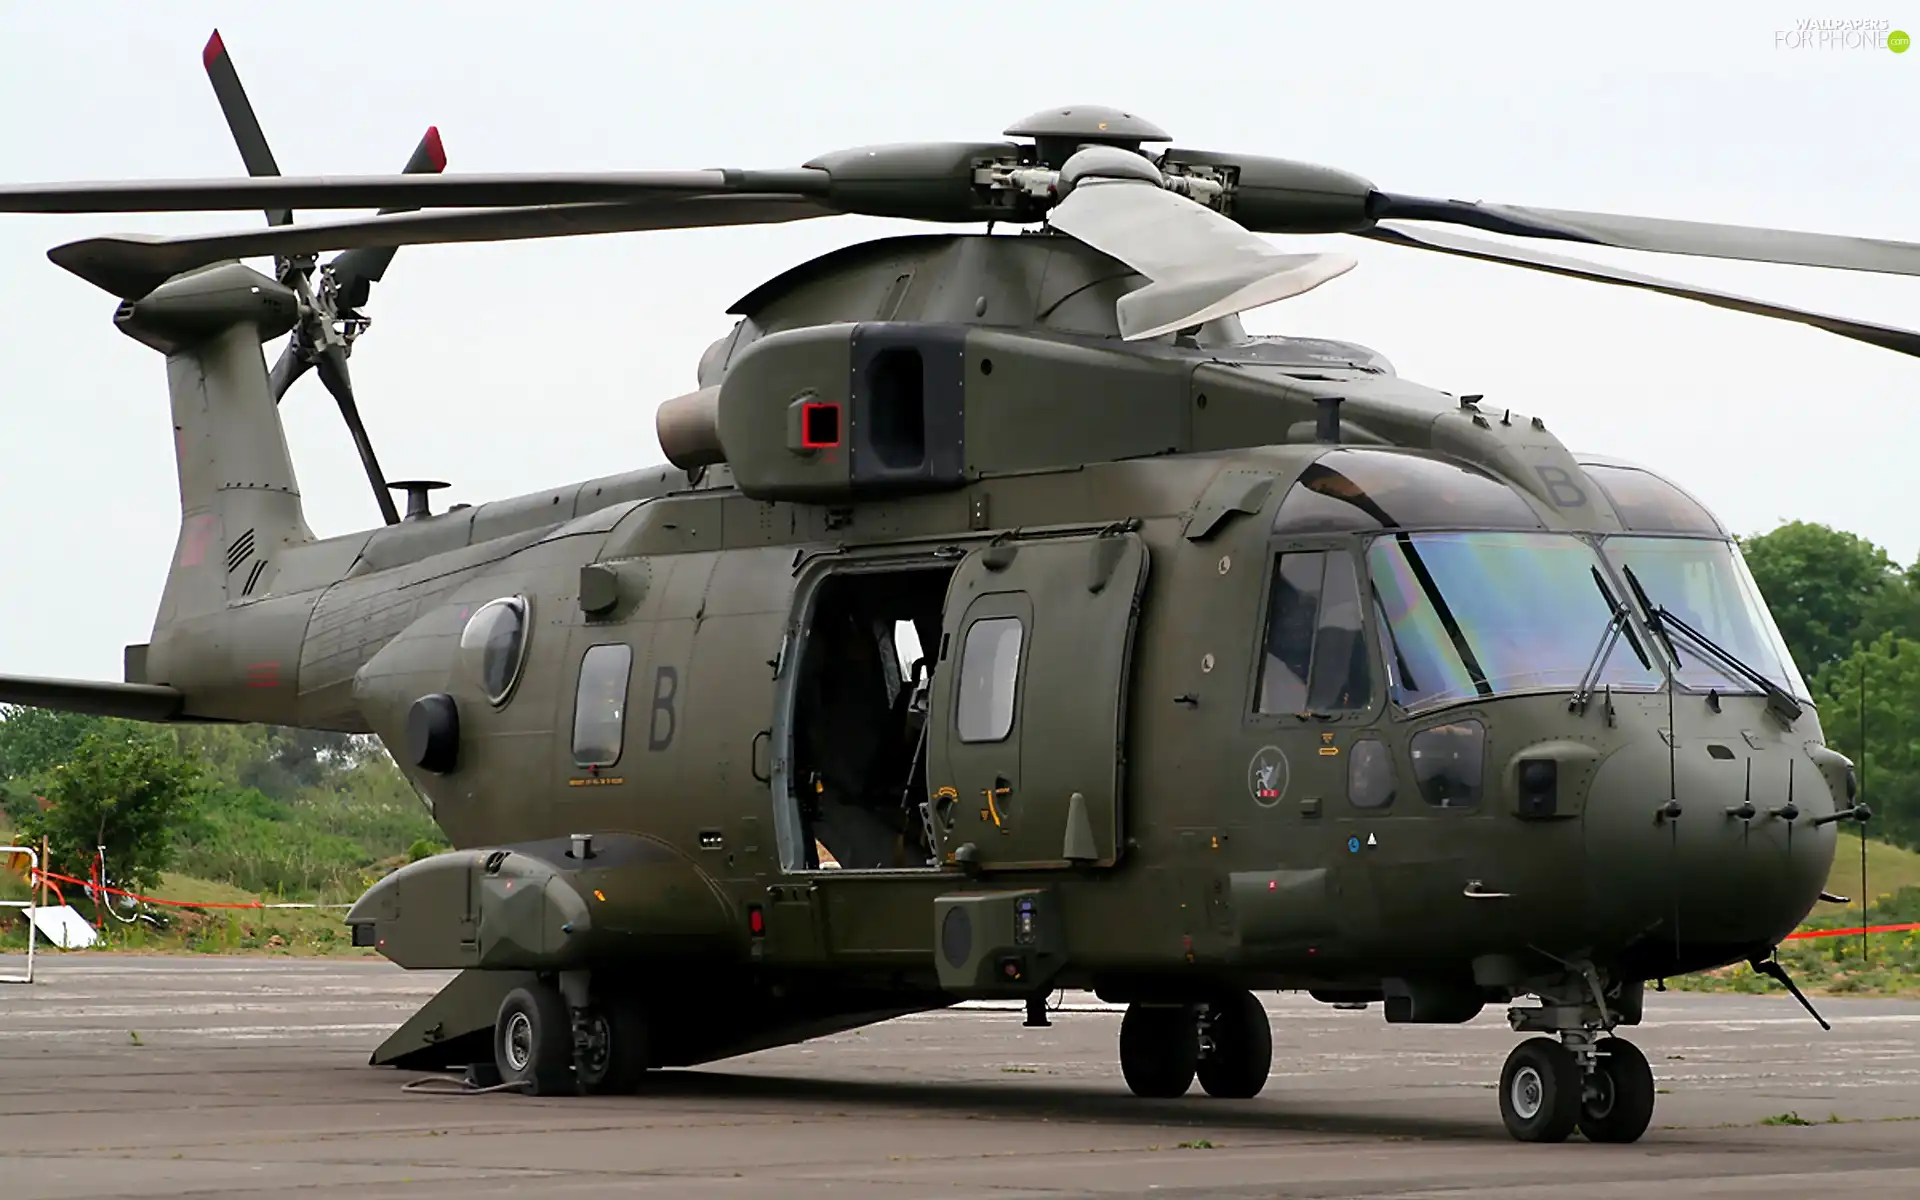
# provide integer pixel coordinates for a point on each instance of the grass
(1889, 868)
(295, 931)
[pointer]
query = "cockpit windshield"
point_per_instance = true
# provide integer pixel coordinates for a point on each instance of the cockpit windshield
(1467, 615)
(1705, 583)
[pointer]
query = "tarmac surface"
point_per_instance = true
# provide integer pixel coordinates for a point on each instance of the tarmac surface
(230, 1077)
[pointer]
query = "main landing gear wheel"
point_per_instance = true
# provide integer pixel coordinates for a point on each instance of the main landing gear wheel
(1619, 1093)
(1159, 1049)
(1236, 1048)
(615, 1051)
(1541, 1089)
(533, 1041)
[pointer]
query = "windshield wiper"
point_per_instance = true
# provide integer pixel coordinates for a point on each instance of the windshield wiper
(1779, 699)
(1597, 665)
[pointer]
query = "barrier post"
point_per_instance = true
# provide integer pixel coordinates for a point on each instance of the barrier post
(33, 872)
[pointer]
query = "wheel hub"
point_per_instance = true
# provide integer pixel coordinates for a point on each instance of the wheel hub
(1528, 1092)
(595, 1054)
(519, 1041)
(1599, 1099)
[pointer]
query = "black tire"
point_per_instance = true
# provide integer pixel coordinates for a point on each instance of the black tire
(533, 1041)
(1159, 1049)
(1619, 1106)
(1239, 1056)
(619, 1051)
(1540, 1091)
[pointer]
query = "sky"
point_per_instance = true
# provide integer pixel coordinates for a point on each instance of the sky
(510, 367)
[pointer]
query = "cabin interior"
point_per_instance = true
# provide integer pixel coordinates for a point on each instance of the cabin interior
(869, 645)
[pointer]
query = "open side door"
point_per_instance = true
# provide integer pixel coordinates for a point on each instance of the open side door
(1027, 725)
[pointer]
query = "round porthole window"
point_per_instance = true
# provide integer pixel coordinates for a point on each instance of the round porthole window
(493, 645)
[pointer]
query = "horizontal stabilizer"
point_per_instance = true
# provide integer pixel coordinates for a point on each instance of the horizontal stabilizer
(135, 701)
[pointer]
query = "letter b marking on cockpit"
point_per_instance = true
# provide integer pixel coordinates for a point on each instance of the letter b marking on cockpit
(1561, 488)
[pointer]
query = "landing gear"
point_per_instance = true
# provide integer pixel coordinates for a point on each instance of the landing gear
(1601, 1086)
(1540, 1090)
(1159, 1049)
(612, 1050)
(1619, 1093)
(551, 1047)
(1226, 1043)
(1236, 1047)
(533, 1041)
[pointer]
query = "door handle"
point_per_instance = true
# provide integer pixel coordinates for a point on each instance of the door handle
(753, 756)
(1001, 787)
(1475, 890)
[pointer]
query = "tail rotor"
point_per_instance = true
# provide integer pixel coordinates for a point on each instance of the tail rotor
(332, 294)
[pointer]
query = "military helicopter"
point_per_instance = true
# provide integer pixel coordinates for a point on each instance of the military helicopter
(1244, 663)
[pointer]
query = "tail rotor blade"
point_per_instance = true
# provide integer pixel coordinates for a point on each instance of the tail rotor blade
(240, 118)
(356, 271)
(292, 366)
(333, 373)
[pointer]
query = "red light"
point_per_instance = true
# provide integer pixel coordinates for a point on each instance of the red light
(436, 153)
(757, 922)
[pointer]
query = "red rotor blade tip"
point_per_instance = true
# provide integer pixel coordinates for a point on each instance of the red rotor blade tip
(215, 48)
(434, 149)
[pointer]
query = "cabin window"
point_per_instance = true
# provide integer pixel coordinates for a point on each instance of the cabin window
(600, 705)
(493, 645)
(1448, 763)
(989, 671)
(1370, 781)
(1316, 655)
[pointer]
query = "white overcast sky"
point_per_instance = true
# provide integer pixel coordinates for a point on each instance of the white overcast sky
(511, 367)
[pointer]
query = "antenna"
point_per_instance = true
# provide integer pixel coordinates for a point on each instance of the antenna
(1673, 802)
(1860, 799)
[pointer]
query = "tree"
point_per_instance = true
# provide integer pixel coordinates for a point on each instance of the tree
(33, 740)
(1890, 764)
(124, 792)
(1822, 584)
(1895, 610)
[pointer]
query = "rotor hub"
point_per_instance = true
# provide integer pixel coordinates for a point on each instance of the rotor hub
(1059, 132)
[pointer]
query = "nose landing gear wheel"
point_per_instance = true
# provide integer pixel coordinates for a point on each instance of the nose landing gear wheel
(533, 1041)
(1618, 1104)
(1236, 1052)
(1159, 1049)
(1541, 1089)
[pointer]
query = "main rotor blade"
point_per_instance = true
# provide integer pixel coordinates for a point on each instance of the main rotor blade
(131, 265)
(1660, 235)
(240, 119)
(333, 373)
(1887, 337)
(1202, 265)
(417, 191)
(356, 271)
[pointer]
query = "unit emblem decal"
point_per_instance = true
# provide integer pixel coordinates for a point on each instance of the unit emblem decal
(1267, 776)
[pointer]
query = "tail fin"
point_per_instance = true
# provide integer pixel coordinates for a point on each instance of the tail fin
(239, 502)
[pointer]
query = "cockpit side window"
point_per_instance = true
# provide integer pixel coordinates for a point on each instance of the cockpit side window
(1647, 503)
(1353, 489)
(1315, 657)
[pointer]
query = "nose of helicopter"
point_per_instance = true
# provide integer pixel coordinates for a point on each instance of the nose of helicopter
(1706, 852)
